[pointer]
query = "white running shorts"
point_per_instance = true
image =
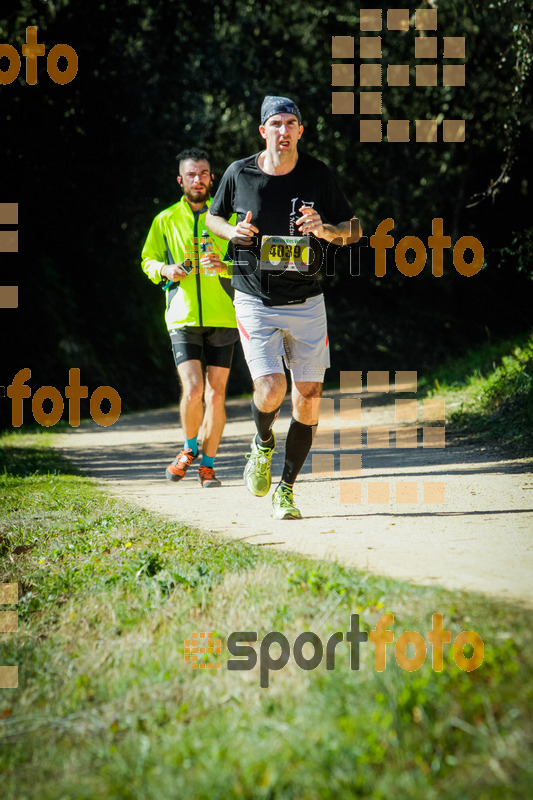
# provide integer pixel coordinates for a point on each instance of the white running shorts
(296, 334)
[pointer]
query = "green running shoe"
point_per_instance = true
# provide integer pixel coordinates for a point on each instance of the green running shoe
(257, 471)
(283, 503)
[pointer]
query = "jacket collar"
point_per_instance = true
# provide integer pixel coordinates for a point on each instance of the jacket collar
(189, 210)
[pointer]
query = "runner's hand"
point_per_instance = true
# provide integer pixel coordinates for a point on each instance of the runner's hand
(310, 222)
(244, 231)
(211, 264)
(173, 272)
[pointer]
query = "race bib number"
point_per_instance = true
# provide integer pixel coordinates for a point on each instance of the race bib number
(285, 252)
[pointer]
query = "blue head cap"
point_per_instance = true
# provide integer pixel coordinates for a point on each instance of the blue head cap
(272, 104)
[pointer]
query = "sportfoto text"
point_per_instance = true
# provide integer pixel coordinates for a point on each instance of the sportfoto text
(379, 637)
(74, 392)
(33, 50)
(381, 241)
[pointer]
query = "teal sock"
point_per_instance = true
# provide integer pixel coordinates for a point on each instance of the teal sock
(193, 444)
(208, 461)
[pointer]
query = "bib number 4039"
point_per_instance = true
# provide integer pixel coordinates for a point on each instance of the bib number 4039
(285, 252)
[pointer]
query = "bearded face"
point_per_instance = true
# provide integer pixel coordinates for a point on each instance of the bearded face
(196, 181)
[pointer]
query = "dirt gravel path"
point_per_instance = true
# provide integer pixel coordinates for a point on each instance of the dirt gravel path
(479, 538)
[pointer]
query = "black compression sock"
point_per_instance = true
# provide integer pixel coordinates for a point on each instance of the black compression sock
(299, 441)
(263, 422)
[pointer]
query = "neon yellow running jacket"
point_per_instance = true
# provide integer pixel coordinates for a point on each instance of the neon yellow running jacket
(198, 299)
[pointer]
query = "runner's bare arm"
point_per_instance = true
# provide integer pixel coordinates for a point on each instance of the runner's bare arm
(219, 226)
(242, 233)
(311, 222)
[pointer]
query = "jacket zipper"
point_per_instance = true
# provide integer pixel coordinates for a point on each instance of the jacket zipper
(197, 255)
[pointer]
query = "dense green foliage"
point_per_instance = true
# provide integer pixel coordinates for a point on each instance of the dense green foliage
(91, 162)
(107, 707)
(489, 393)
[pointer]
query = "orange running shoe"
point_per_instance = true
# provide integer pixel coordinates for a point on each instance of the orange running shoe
(208, 478)
(176, 471)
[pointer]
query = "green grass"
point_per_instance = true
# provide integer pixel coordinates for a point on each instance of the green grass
(107, 707)
(489, 393)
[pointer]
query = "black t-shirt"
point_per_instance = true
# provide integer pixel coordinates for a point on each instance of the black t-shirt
(274, 201)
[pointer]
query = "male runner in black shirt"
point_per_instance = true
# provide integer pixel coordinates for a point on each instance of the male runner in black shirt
(285, 203)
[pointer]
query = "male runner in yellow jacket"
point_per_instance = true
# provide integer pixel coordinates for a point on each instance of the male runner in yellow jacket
(199, 312)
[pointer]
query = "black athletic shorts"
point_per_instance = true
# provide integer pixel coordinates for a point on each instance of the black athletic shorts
(212, 346)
